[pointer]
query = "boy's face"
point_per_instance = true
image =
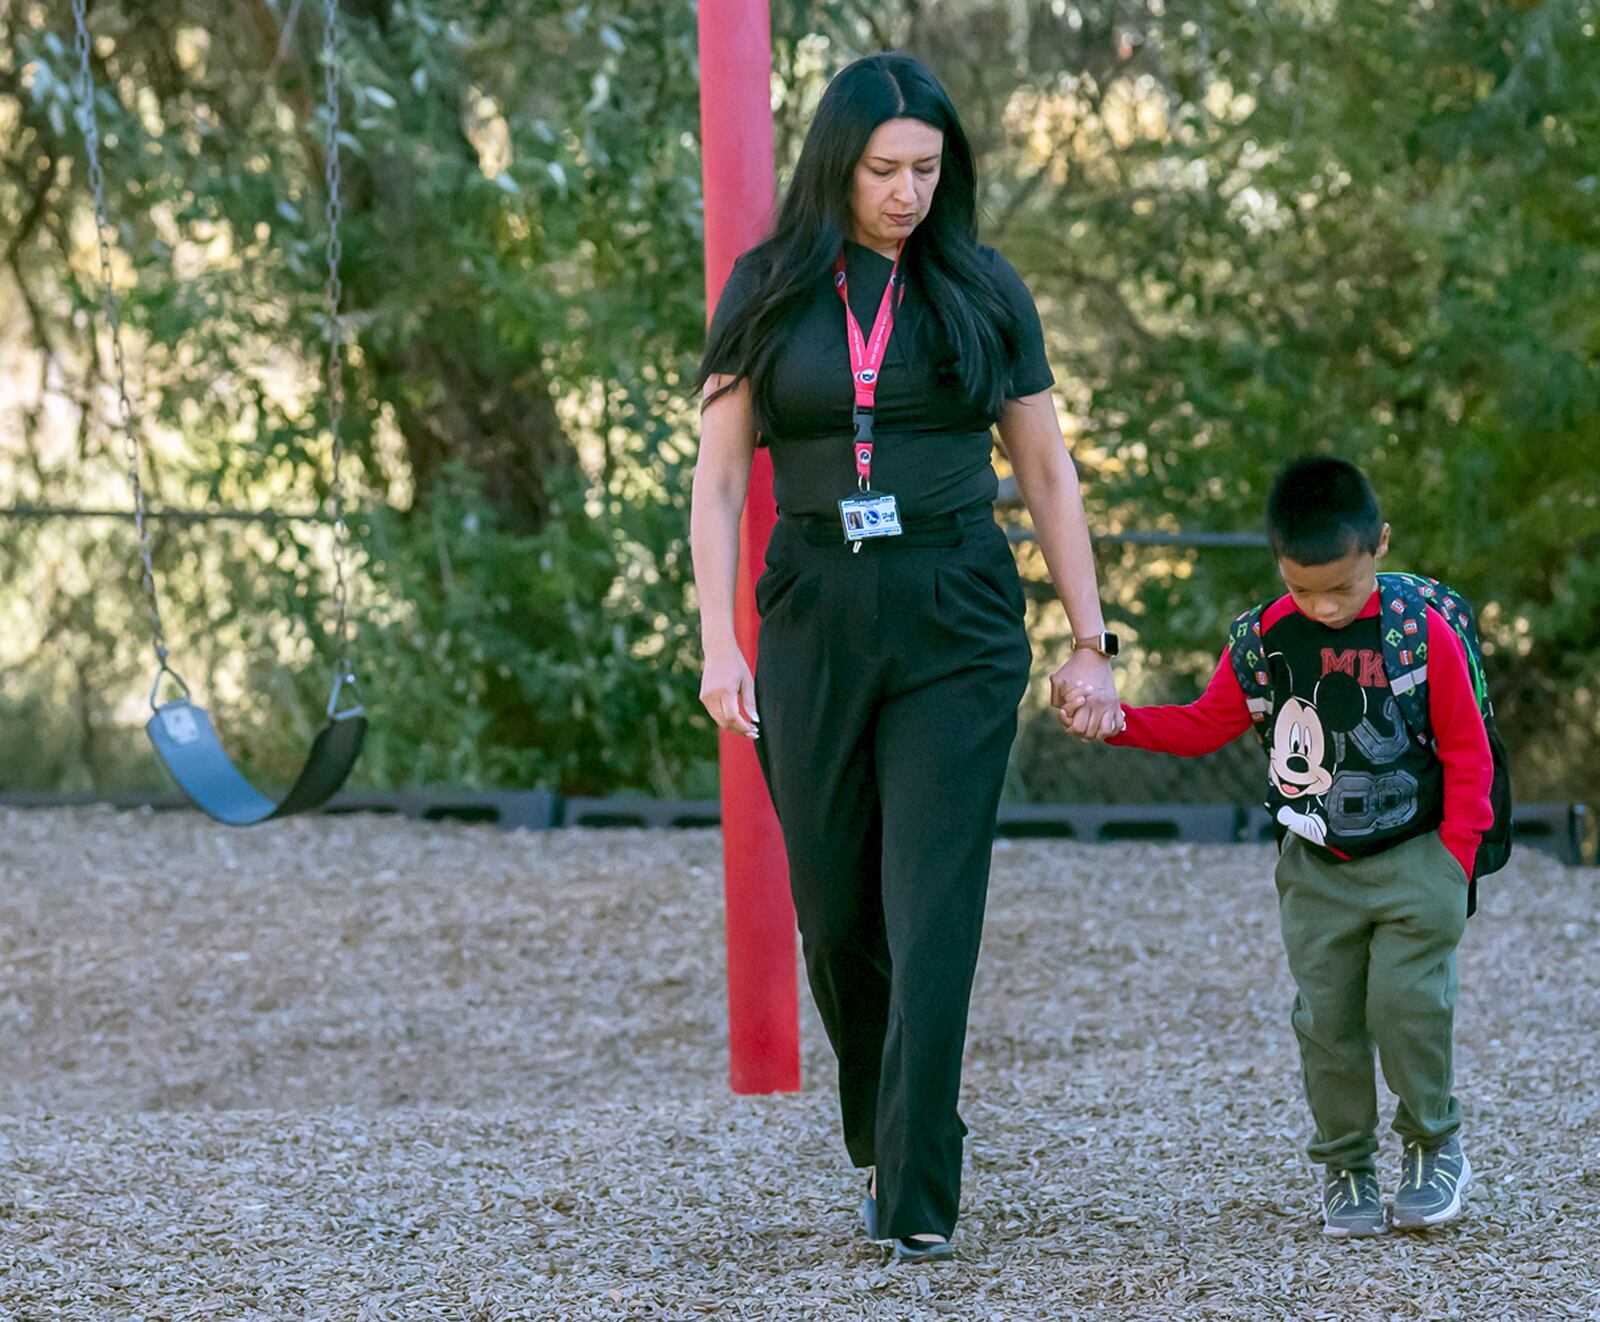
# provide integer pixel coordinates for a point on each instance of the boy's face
(1333, 594)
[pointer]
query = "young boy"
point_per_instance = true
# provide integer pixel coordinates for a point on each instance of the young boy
(1379, 833)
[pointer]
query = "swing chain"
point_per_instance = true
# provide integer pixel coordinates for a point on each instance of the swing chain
(344, 675)
(89, 126)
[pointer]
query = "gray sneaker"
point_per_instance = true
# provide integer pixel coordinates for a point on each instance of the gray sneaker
(1431, 1184)
(1351, 1204)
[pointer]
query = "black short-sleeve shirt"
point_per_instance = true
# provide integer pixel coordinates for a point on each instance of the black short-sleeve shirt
(934, 448)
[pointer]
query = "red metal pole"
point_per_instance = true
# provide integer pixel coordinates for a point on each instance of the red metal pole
(736, 161)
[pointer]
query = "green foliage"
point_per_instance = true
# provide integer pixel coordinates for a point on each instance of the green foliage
(1253, 230)
(539, 662)
(516, 258)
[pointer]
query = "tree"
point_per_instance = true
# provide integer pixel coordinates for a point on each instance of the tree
(1252, 230)
(516, 256)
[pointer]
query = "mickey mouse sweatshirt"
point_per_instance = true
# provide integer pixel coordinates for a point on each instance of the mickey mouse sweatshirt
(1344, 773)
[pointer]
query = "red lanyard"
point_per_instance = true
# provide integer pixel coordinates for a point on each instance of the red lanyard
(866, 358)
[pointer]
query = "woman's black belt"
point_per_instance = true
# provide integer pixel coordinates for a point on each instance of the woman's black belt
(922, 530)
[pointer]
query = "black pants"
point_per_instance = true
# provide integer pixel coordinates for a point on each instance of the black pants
(888, 684)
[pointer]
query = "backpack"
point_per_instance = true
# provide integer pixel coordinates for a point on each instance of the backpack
(1403, 603)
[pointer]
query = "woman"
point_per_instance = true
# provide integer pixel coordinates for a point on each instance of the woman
(872, 344)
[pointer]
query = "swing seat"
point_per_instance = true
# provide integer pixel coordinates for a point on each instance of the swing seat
(184, 738)
(187, 742)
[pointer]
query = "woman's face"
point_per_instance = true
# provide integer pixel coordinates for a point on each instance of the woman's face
(894, 180)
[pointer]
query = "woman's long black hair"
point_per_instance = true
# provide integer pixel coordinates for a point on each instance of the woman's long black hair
(943, 267)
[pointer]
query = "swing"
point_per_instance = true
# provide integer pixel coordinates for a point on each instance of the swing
(180, 730)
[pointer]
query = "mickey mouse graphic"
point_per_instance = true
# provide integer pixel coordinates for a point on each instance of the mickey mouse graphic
(1300, 766)
(1299, 748)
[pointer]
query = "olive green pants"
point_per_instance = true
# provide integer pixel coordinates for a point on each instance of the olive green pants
(1371, 945)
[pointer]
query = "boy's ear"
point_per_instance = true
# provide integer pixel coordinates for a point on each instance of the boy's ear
(1383, 544)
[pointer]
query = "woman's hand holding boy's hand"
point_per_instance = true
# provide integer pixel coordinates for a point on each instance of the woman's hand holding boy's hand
(1084, 718)
(1085, 692)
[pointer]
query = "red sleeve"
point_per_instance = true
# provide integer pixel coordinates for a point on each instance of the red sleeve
(1463, 744)
(1217, 717)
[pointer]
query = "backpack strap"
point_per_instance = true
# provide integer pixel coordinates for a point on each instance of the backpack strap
(1247, 653)
(1404, 628)
(1408, 597)
(1457, 611)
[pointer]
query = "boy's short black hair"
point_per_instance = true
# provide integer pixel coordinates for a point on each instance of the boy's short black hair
(1321, 509)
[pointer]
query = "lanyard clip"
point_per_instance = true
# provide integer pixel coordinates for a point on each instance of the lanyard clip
(863, 448)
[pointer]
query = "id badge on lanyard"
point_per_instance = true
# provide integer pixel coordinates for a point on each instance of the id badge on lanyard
(869, 513)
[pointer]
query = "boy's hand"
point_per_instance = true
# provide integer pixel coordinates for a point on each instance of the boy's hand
(1077, 699)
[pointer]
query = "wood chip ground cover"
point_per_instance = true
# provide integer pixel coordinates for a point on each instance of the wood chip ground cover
(362, 1068)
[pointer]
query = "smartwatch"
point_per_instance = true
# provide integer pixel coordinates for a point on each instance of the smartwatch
(1104, 643)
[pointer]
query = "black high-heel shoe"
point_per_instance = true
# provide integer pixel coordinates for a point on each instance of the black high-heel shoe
(909, 1250)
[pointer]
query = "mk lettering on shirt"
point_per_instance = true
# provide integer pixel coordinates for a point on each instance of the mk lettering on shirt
(1372, 673)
